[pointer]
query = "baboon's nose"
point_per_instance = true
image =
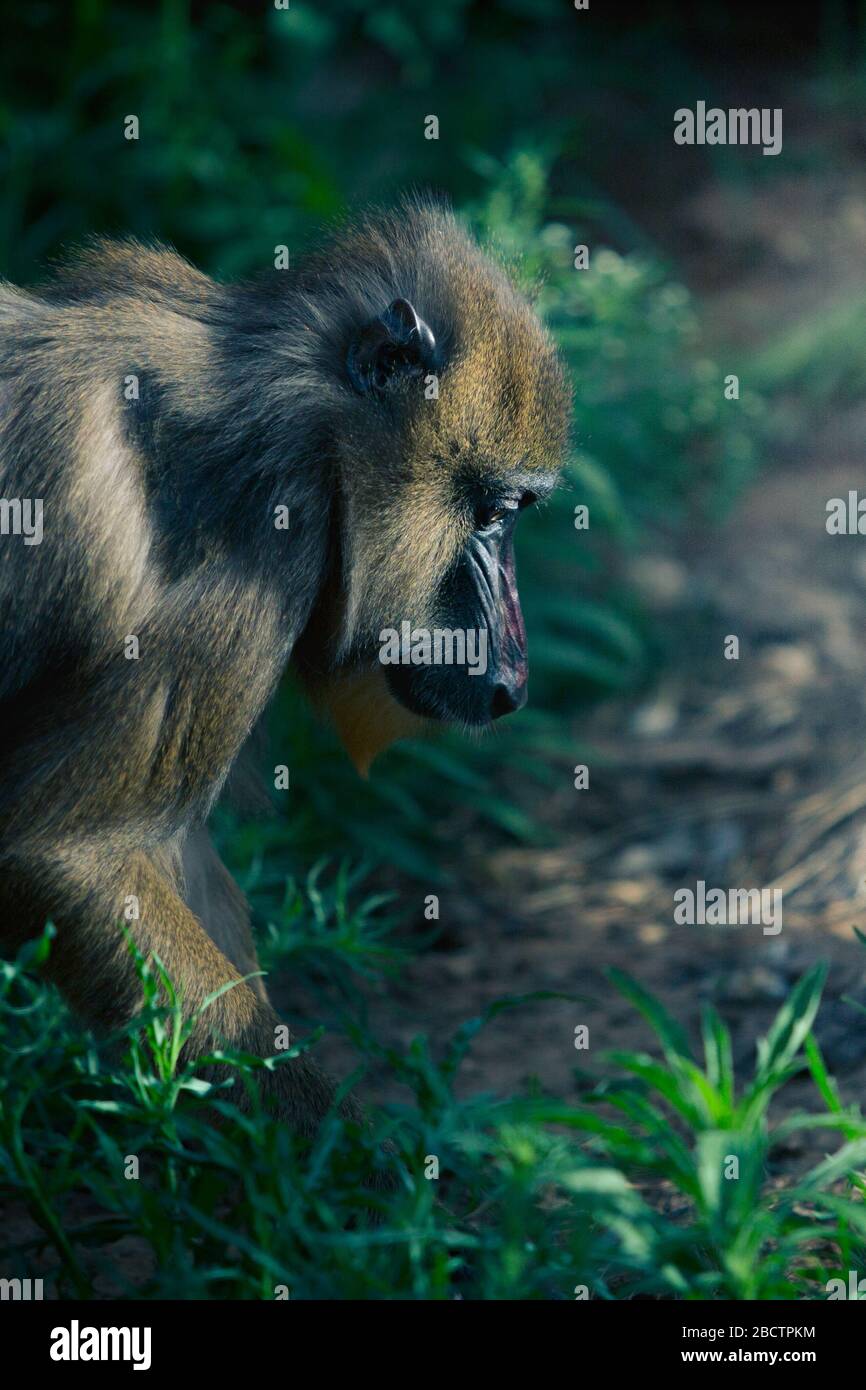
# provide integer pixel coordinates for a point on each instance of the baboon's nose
(506, 699)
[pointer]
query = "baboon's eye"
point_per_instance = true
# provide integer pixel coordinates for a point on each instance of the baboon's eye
(490, 514)
(488, 517)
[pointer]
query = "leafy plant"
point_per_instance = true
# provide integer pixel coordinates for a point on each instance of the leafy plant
(528, 1198)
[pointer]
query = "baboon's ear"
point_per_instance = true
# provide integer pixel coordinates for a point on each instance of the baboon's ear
(395, 345)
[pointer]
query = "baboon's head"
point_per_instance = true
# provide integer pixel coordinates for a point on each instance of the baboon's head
(452, 423)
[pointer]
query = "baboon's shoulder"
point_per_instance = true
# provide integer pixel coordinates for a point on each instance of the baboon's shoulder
(105, 268)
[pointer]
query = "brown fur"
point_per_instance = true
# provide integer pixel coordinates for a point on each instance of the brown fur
(158, 515)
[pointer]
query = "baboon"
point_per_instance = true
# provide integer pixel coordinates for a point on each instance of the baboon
(393, 399)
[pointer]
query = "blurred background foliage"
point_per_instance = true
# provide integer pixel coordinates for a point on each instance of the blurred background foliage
(258, 124)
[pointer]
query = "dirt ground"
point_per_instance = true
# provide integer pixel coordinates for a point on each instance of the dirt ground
(747, 773)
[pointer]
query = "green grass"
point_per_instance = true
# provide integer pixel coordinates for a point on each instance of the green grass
(535, 1196)
(253, 134)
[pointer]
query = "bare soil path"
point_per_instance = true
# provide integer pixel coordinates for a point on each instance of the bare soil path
(747, 773)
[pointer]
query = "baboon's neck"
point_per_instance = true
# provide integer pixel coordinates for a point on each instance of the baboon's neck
(233, 448)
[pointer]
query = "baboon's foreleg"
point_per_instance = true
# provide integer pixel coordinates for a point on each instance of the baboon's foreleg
(212, 894)
(92, 964)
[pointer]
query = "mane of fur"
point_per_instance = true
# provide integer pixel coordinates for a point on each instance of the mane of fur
(246, 403)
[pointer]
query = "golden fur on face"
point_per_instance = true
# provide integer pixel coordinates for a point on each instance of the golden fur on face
(159, 524)
(501, 409)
